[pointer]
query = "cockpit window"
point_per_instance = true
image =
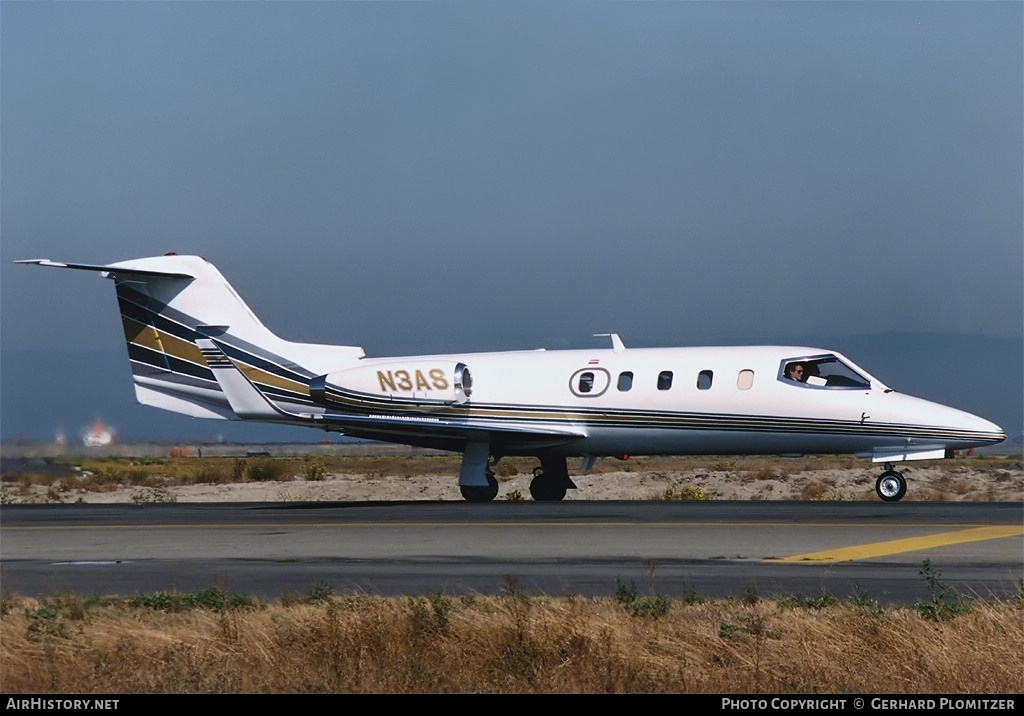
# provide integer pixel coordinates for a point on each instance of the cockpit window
(823, 371)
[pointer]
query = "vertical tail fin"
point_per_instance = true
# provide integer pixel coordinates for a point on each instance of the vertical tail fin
(171, 306)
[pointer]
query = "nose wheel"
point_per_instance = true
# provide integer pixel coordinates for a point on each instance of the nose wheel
(891, 485)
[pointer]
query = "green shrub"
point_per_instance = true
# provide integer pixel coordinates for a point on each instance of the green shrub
(687, 493)
(267, 470)
(945, 602)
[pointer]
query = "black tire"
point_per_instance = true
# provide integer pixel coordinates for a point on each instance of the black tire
(891, 486)
(479, 493)
(542, 490)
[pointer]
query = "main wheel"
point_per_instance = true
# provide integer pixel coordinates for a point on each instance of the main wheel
(891, 486)
(481, 493)
(545, 489)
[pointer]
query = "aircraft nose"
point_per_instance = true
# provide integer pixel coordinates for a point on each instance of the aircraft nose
(952, 425)
(985, 431)
(996, 432)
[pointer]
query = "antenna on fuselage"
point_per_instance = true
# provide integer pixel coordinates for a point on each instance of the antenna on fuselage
(617, 345)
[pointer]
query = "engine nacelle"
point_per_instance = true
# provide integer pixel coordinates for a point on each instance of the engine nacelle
(430, 383)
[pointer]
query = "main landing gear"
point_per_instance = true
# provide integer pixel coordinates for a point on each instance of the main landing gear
(891, 486)
(550, 480)
(481, 493)
(476, 479)
(477, 482)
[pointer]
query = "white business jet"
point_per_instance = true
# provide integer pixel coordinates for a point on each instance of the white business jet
(196, 348)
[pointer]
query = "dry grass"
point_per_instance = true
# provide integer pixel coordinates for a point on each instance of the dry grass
(506, 644)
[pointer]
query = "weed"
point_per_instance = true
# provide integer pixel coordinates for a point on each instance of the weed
(629, 597)
(50, 620)
(692, 596)
(157, 495)
(442, 607)
(213, 599)
(320, 594)
(751, 596)
(267, 470)
(764, 473)
(7, 604)
(945, 602)
(521, 653)
(752, 625)
(429, 615)
(869, 607)
(625, 592)
(814, 491)
(314, 468)
(687, 493)
(506, 469)
(46, 622)
(654, 607)
(803, 602)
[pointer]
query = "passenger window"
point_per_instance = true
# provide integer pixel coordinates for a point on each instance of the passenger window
(625, 380)
(664, 380)
(590, 382)
(745, 379)
(704, 379)
(586, 382)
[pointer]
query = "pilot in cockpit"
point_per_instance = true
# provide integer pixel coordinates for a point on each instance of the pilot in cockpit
(795, 371)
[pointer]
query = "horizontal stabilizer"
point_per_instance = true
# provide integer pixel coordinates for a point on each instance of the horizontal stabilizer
(108, 269)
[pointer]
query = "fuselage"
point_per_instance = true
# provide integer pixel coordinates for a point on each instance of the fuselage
(700, 400)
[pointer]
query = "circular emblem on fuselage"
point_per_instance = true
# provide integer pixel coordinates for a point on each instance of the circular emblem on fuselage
(589, 382)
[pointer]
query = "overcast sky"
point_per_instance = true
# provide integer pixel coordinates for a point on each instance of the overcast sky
(432, 176)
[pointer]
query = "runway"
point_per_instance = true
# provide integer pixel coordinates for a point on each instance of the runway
(716, 549)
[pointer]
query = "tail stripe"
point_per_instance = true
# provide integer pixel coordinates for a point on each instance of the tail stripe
(150, 362)
(160, 338)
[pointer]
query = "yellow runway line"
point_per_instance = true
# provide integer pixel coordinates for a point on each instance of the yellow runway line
(880, 549)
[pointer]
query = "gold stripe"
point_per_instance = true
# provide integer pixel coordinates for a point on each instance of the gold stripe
(147, 336)
(881, 549)
(258, 375)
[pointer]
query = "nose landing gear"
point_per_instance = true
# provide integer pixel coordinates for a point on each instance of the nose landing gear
(891, 486)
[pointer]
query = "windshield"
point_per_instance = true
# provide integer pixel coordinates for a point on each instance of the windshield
(822, 371)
